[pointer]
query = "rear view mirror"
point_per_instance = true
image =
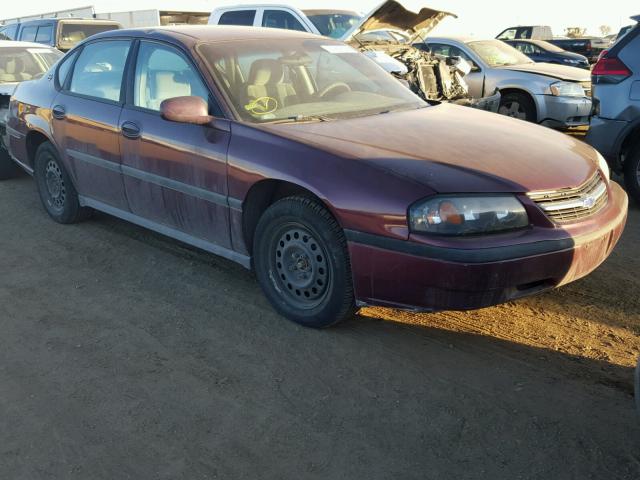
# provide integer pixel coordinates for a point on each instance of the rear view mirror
(186, 110)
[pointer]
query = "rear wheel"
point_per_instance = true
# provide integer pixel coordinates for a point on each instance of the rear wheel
(59, 196)
(632, 173)
(518, 105)
(8, 169)
(302, 263)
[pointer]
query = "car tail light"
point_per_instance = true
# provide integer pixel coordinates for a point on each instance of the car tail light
(610, 70)
(602, 54)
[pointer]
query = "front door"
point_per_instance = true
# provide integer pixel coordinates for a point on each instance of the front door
(86, 115)
(175, 174)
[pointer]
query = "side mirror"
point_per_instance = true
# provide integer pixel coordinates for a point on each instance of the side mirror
(186, 110)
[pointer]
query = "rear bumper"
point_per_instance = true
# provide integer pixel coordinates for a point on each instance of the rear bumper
(563, 112)
(415, 276)
(604, 135)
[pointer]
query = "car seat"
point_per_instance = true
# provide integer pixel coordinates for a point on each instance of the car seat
(267, 79)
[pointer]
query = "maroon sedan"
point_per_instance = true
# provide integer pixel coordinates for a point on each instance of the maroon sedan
(300, 157)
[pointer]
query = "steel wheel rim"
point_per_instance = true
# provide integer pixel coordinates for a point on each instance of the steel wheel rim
(513, 109)
(55, 187)
(301, 266)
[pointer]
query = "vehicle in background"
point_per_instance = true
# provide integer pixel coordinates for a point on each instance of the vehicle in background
(537, 32)
(60, 33)
(297, 156)
(590, 47)
(19, 61)
(541, 51)
(615, 124)
(557, 96)
(433, 78)
(332, 23)
(154, 18)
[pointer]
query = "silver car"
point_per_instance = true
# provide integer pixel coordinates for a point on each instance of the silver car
(556, 96)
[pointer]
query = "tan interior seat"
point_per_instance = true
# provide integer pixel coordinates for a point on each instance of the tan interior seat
(266, 79)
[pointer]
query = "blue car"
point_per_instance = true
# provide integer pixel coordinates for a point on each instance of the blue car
(544, 52)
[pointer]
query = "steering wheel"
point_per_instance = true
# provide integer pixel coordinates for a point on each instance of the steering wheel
(334, 88)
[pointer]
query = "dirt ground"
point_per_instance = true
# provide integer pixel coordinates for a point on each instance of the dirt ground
(125, 355)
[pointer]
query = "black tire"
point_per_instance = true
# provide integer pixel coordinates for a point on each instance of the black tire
(59, 196)
(518, 105)
(632, 173)
(8, 168)
(302, 263)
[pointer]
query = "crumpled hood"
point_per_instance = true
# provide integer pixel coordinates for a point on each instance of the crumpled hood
(449, 149)
(560, 72)
(392, 15)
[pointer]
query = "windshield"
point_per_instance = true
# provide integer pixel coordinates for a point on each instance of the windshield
(333, 25)
(498, 54)
(73, 33)
(18, 64)
(296, 79)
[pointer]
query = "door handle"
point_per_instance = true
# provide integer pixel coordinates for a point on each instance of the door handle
(59, 112)
(130, 130)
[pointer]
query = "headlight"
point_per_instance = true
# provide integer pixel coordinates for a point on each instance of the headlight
(567, 89)
(467, 214)
(604, 167)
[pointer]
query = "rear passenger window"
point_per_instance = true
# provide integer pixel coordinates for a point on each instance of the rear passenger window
(99, 70)
(238, 17)
(281, 19)
(29, 34)
(163, 73)
(45, 34)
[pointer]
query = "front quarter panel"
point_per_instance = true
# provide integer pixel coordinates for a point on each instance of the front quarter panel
(361, 197)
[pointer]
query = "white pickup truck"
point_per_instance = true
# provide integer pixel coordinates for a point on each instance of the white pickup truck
(387, 35)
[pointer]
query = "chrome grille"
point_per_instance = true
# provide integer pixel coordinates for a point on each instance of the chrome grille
(587, 88)
(572, 204)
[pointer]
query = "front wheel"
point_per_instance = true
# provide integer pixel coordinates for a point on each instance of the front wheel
(632, 173)
(302, 263)
(518, 105)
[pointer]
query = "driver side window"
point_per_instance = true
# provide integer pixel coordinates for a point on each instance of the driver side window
(162, 73)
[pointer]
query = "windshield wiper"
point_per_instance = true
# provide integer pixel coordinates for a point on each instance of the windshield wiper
(303, 118)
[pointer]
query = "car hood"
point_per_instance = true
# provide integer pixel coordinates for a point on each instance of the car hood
(449, 149)
(560, 72)
(392, 15)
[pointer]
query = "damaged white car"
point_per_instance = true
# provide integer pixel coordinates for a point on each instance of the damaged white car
(387, 34)
(19, 61)
(433, 77)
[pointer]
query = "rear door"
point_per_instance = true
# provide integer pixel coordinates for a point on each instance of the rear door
(85, 120)
(175, 174)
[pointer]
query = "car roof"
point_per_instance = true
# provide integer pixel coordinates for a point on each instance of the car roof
(192, 34)
(451, 38)
(328, 11)
(14, 44)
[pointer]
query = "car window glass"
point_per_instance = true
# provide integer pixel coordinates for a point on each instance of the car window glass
(524, 33)
(18, 63)
(99, 70)
(10, 31)
(29, 34)
(162, 73)
(439, 49)
(45, 34)
(63, 69)
(281, 19)
(509, 34)
(238, 17)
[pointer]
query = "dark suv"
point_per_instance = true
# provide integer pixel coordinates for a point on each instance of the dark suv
(615, 125)
(61, 33)
(588, 47)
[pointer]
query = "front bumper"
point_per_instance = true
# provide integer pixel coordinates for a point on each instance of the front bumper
(563, 112)
(604, 135)
(419, 277)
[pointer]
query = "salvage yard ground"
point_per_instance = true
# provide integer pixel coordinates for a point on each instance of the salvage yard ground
(126, 355)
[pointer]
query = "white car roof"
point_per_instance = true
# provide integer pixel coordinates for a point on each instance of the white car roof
(12, 43)
(459, 39)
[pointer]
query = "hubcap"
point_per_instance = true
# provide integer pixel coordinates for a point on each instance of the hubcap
(514, 110)
(301, 265)
(56, 190)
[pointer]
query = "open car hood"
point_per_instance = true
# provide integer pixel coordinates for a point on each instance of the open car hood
(392, 15)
